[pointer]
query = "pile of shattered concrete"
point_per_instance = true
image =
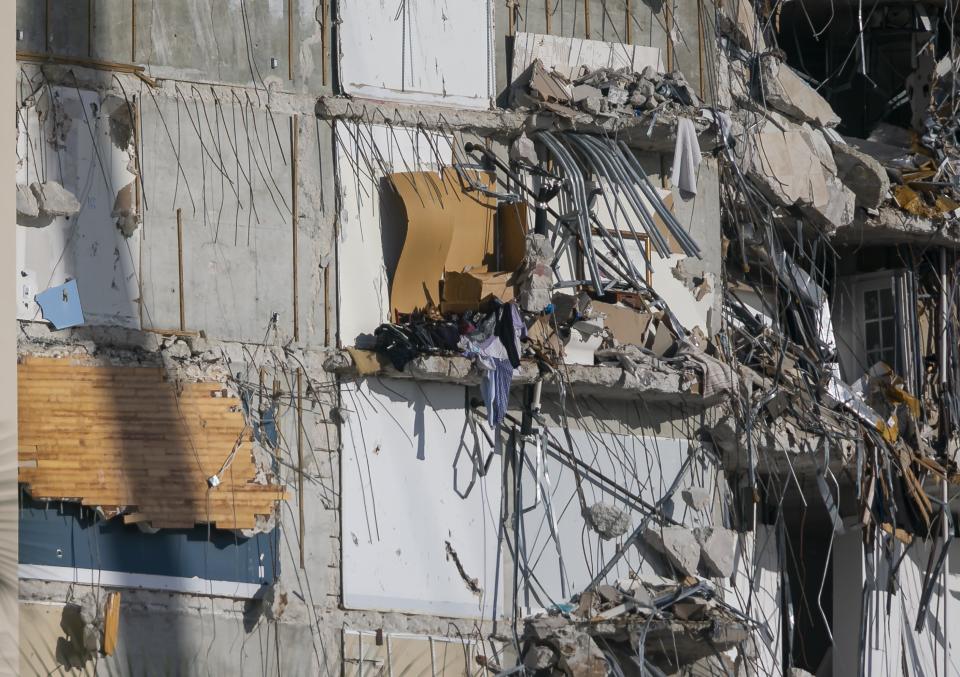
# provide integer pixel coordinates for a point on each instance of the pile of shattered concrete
(797, 159)
(646, 624)
(601, 92)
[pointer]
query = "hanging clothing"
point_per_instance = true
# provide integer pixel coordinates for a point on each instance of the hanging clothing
(492, 359)
(511, 330)
(686, 158)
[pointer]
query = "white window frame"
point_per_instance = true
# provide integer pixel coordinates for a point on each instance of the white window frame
(860, 285)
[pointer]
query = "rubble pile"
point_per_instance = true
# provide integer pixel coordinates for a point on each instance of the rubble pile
(639, 626)
(603, 92)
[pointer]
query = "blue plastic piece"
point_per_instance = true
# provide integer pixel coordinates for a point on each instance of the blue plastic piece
(61, 305)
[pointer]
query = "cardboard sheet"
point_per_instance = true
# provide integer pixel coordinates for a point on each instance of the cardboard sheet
(474, 290)
(416, 282)
(626, 324)
(373, 219)
(449, 228)
(473, 216)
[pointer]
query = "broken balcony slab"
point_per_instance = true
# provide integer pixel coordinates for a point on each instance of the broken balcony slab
(793, 166)
(654, 384)
(788, 93)
(779, 448)
(665, 642)
(890, 225)
(654, 131)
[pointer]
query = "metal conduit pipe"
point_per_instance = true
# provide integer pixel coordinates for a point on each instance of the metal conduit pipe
(643, 181)
(562, 221)
(691, 248)
(616, 172)
(580, 208)
(626, 182)
(570, 168)
(589, 156)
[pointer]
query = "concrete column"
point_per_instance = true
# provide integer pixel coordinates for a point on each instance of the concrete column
(9, 629)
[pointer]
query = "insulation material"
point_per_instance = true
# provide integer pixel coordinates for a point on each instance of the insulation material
(609, 454)
(569, 54)
(426, 52)
(447, 229)
(370, 236)
(111, 623)
(756, 592)
(78, 146)
(118, 437)
(419, 523)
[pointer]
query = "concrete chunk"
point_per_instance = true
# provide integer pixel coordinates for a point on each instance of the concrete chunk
(738, 22)
(862, 174)
(539, 657)
(27, 202)
(582, 92)
(573, 651)
(697, 498)
(717, 548)
(608, 520)
(785, 91)
(523, 150)
(55, 200)
(677, 544)
(793, 167)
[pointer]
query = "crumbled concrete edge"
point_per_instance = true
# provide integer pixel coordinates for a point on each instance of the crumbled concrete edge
(655, 384)
(653, 131)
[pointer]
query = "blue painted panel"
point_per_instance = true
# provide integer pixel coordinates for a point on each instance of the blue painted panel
(68, 535)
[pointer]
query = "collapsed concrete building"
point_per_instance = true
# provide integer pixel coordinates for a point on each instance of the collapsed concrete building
(552, 338)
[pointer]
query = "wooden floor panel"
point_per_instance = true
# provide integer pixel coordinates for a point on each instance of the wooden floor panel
(126, 437)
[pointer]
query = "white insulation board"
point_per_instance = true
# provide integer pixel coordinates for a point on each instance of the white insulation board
(424, 51)
(409, 490)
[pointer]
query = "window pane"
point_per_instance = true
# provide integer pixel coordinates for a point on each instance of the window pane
(886, 302)
(888, 329)
(870, 305)
(873, 336)
(890, 358)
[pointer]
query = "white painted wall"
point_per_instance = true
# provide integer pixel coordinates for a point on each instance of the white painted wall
(645, 466)
(426, 51)
(891, 639)
(755, 591)
(88, 246)
(406, 472)
(364, 156)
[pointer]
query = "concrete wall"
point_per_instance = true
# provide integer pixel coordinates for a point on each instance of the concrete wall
(221, 41)
(215, 142)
